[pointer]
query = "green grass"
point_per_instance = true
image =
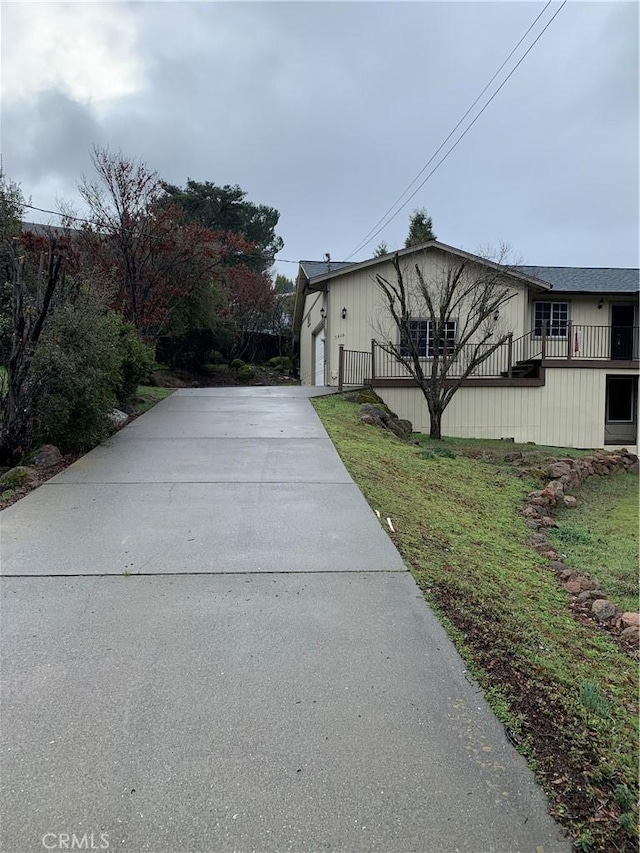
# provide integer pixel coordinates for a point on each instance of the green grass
(565, 692)
(149, 395)
(600, 536)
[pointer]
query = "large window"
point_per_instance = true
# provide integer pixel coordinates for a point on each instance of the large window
(423, 338)
(555, 315)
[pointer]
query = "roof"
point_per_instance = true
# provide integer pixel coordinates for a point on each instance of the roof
(587, 279)
(320, 271)
(314, 268)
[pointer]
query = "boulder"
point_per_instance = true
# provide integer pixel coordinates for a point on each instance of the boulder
(569, 501)
(117, 418)
(631, 634)
(47, 456)
(629, 619)
(603, 610)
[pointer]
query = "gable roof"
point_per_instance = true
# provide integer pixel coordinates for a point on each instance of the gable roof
(337, 268)
(587, 279)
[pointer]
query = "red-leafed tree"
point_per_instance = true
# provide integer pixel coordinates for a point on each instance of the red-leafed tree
(153, 258)
(249, 300)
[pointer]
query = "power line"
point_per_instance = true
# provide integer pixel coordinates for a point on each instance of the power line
(441, 146)
(370, 236)
(151, 236)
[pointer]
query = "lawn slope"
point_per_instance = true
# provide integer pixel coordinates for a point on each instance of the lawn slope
(566, 694)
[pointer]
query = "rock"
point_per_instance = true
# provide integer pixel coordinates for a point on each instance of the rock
(588, 595)
(557, 566)
(547, 521)
(47, 456)
(566, 573)
(634, 468)
(631, 634)
(511, 457)
(373, 411)
(532, 511)
(533, 523)
(573, 586)
(557, 469)
(585, 583)
(603, 610)
(629, 619)
(569, 501)
(117, 418)
(400, 427)
(14, 478)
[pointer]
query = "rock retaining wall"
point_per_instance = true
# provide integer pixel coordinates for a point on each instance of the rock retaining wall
(565, 475)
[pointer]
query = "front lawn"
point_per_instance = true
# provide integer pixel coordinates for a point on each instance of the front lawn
(565, 692)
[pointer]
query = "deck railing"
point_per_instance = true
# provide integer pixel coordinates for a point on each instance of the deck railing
(354, 367)
(510, 359)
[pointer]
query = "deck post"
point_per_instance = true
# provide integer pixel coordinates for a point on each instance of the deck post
(510, 356)
(373, 359)
(544, 340)
(340, 367)
(569, 339)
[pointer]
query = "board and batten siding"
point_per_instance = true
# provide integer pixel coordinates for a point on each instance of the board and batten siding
(311, 321)
(368, 317)
(568, 411)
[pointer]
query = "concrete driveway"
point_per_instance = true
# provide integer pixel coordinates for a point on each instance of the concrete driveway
(209, 643)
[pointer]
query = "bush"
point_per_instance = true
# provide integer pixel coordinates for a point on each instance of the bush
(281, 363)
(237, 364)
(76, 370)
(87, 362)
(137, 362)
(246, 373)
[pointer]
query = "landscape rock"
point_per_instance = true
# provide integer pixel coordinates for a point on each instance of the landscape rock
(117, 418)
(631, 634)
(547, 521)
(603, 610)
(573, 586)
(630, 619)
(569, 501)
(557, 565)
(378, 415)
(47, 456)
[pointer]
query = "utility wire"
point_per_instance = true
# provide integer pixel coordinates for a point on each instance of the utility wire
(441, 146)
(375, 233)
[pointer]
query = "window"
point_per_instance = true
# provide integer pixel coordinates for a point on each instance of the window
(422, 336)
(555, 315)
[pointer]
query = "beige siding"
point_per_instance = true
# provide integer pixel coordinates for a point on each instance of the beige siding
(367, 315)
(568, 411)
(311, 321)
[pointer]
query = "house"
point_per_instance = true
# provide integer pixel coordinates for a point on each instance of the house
(566, 373)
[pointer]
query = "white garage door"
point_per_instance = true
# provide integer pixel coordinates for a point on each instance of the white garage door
(319, 345)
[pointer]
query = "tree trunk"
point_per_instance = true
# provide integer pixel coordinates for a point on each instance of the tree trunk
(435, 430)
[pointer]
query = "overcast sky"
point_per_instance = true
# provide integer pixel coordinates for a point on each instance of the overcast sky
(326, 111)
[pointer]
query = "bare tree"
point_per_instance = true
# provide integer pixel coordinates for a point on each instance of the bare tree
(30, 309)
(448, 324)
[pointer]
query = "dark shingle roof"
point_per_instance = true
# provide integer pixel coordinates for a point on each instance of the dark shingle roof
(587, 279)
(314, 268)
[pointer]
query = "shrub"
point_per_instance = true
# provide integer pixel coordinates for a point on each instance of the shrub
(281, 363)
(136, 363)
(77, 371)
(245, 373)
(237, 364)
